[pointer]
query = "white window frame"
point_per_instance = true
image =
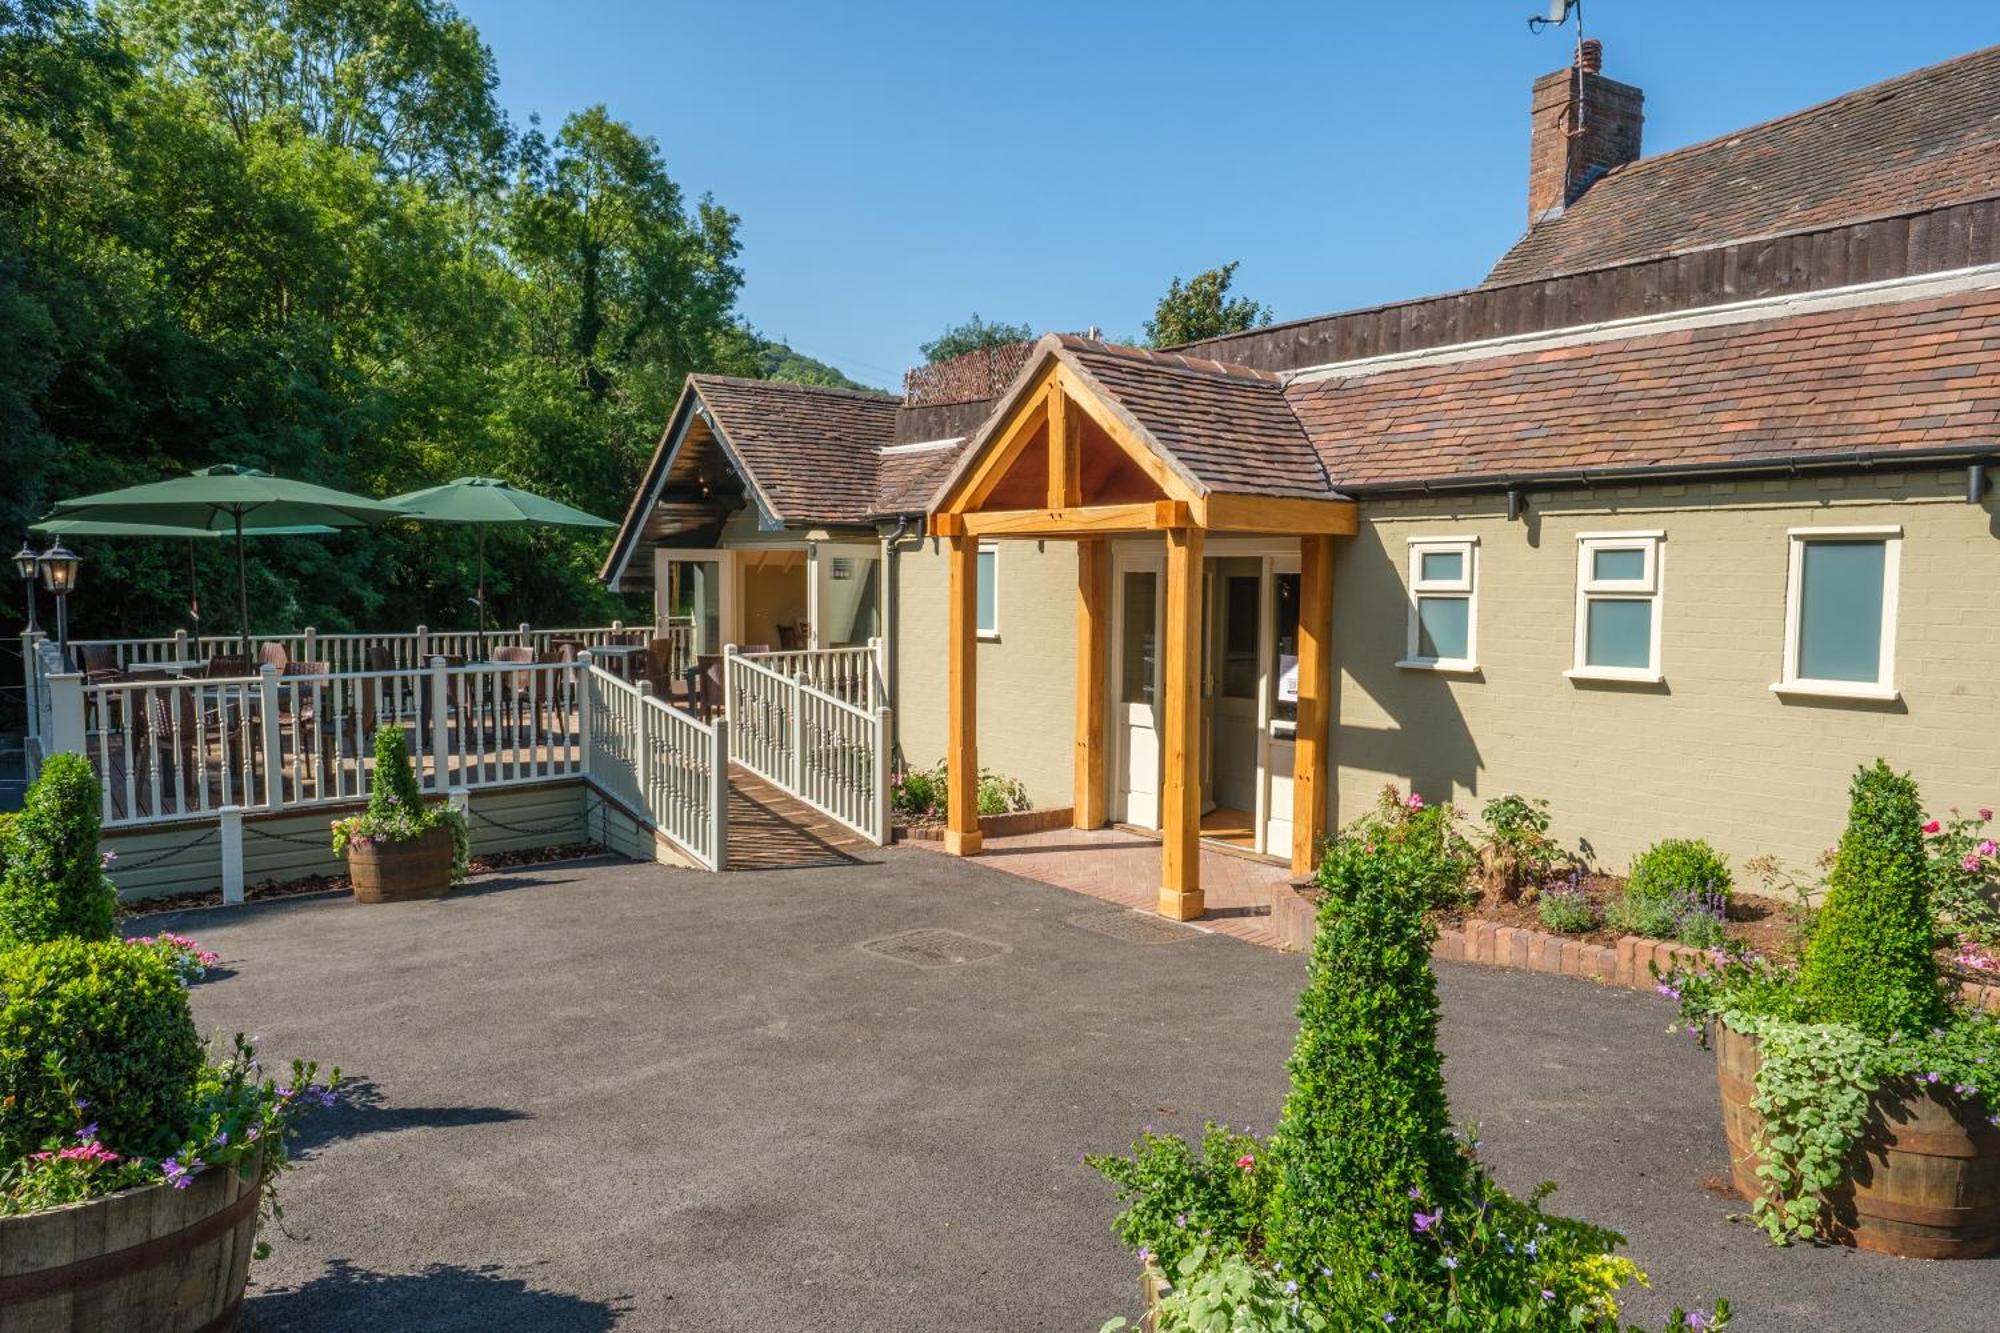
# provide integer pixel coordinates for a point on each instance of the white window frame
(988, 632)
(1650, 586)
(1467, 585)
(1883, 687)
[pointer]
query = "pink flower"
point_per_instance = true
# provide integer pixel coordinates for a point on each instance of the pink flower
(1971, 861)
(1932, 827)
(1986, 816)
(1415, 802)
(1988, 847)
(1246, 1161)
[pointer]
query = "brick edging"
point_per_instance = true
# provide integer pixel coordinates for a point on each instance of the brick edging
(1001, 826)
(1625, 963)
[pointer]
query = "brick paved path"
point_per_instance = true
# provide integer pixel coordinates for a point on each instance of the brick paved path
(1124, 868)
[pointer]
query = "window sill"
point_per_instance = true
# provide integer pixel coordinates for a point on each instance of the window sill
(988, 636)
(1614, 676)
(1836, 689)
(1442, 668)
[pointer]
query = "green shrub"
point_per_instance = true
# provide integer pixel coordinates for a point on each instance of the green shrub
(101, 1022)
(1678, 889)
(7, 818)
(1364, 1210)
(1869, 962)
(396, 811)
(1566, 909)
(924, 794)
(55, 884)
(1518, 849)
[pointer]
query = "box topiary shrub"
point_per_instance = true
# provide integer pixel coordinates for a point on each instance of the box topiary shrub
(1869, 961)
(1364, 1209)
(1678, 889)
(54, 884)
(1864, 1012)
(396, 811)
(101, 1022)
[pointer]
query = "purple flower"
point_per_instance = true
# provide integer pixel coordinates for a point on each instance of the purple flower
(1548, 1295)
(1450, 1261)
(1416, 1193)
(222, 1138)
(1423, 1222)
(1291, 1288)
(1180, 1219)
(87, 1133)
(179, 1176)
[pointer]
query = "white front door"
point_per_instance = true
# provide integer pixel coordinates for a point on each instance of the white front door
(1138, 620)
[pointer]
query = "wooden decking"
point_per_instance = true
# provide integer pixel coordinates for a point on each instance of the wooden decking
(770, 829)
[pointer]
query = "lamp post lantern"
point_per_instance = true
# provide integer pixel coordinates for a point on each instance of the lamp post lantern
(59, 570)
(25, 561)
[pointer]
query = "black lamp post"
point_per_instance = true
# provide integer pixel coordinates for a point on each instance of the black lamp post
(59, 570)
(25, 561)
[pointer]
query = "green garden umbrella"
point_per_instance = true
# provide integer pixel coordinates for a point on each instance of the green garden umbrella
(100, 527)
(488, 500)
(227, 498)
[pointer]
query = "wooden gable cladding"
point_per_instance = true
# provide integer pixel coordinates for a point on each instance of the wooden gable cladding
(1064, 461)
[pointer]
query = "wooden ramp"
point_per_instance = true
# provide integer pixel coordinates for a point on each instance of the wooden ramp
(769, 829)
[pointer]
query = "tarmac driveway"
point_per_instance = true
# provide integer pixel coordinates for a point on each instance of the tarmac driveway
(605, 1095)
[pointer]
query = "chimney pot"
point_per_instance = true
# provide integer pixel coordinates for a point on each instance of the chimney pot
(1590, 55)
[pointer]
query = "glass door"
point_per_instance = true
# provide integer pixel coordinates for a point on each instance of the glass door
(1137, 618)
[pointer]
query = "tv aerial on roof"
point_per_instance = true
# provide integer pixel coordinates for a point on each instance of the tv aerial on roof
(1559, 12)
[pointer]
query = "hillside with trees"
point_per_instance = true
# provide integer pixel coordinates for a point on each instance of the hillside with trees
(306, 238)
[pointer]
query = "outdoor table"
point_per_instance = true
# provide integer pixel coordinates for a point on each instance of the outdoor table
(617, 657)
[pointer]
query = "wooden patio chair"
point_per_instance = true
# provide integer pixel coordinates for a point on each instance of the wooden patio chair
(709, 697)
(660, 669)
(98, 662)
(790, 638)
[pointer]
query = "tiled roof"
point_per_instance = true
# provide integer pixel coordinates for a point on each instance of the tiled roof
(905, 479)
(1889, 375)
(1226, 427)
(810, 452)
(1922, 140)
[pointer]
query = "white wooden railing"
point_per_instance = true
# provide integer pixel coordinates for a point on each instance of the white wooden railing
(821, 748)
(852, 675)
(658, 761)
(345, 651)
(167, 749)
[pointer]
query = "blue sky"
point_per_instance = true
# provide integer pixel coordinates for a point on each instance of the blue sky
(899, 166)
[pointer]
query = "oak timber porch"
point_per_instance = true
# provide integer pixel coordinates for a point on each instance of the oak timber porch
(1180, 452)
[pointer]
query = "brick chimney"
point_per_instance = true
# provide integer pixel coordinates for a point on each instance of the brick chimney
(1563, 159)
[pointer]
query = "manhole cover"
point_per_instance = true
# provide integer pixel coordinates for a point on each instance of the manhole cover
(931, 947)
(1136, 927)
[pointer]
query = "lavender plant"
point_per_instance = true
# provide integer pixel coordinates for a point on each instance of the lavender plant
(1565, 908)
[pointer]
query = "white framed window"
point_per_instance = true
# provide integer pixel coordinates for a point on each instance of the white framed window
(989, 590)
(1840, 612)
(1444, 604)
(1620, 599)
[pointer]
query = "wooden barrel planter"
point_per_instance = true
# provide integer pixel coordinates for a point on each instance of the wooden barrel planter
(150, 1260)
(396, 872)
(1923, 1182)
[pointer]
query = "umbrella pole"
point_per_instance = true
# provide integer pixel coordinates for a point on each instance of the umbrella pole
(480, 598)
(194, 597)
(242, 585)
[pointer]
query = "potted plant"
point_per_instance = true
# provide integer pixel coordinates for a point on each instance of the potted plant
(398, 848)
(1857, 1092)
(1364, 1209)
(135, 1167)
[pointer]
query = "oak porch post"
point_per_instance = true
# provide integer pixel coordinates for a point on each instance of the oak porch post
(1093, 636)
(961, 832)
(1309, 749)
(1180, 806)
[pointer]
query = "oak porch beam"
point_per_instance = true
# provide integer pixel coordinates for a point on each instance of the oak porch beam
(1276, 513)
(1310, 758)
(1073, 521)
(1093, 655)
(1180, 803)
(961, 831)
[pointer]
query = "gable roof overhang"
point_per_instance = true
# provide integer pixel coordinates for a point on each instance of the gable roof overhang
(1118, 440)
(688, 409)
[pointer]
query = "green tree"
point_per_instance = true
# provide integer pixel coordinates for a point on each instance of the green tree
(1202, 308)
(974, 335)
